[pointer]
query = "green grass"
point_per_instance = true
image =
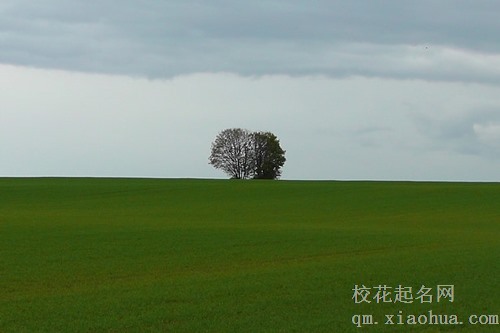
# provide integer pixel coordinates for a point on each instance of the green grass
(151, 255)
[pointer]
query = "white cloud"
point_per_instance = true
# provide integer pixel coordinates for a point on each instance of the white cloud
(63, 123)
(488, 134)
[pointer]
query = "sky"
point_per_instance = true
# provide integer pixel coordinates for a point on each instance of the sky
(354, 90)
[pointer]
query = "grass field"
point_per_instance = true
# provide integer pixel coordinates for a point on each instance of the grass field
(152, 255)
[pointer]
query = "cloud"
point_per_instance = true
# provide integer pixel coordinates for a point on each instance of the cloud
(469, 132)
(488, 134)
(449, 40)
(73, 124)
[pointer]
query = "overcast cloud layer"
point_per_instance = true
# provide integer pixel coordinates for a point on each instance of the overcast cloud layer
(353, 89)
(434, 40)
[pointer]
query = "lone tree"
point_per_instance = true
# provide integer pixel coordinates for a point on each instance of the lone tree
(243, 154)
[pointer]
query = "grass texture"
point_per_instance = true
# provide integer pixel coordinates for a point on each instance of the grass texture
(167, 255)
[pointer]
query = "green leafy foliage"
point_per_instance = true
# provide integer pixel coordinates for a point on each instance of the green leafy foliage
(269, 156)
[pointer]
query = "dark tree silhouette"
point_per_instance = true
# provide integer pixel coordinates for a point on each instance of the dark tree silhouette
(269, 156)
(232, 153)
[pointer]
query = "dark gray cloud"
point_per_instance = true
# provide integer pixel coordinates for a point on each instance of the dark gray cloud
(445, 40)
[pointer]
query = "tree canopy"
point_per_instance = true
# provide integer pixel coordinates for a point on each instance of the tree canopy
(243, 154)
(269, 156)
